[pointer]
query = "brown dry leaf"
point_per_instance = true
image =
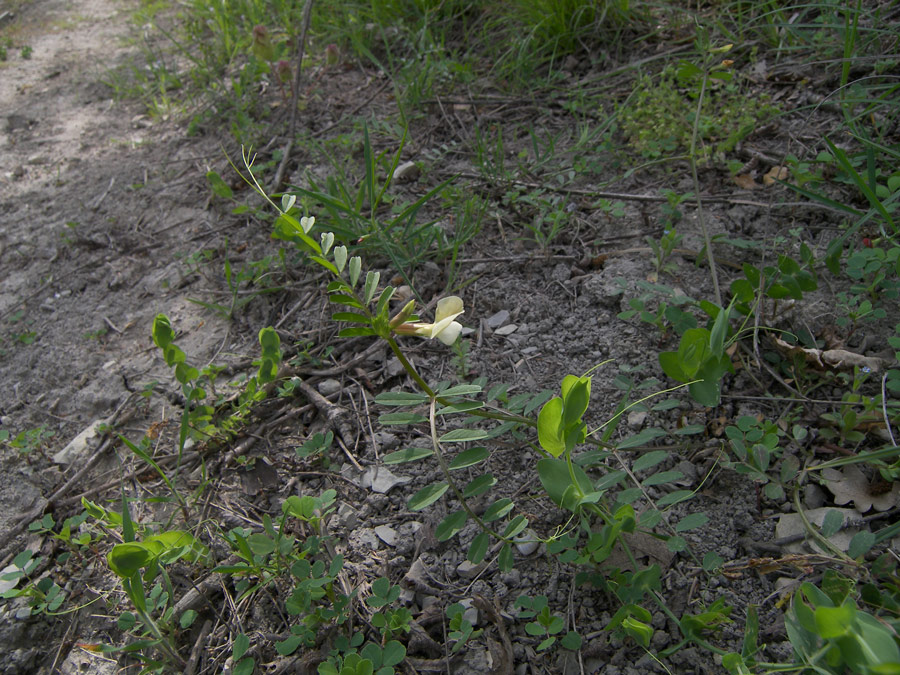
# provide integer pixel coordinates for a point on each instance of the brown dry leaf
(830, 359)
(850, 484)
(746, 182)
(774, 174)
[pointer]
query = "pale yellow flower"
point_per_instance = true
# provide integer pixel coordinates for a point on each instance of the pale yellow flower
(445, 328)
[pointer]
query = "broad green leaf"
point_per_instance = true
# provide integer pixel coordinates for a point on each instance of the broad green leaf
(662, 478)
(463, 435)
(693, 350)
(861, 543)
(401, 418)
(219, 187)
(643, 437)
(392, 654)
(350, 317)
(555, 477)
(461, 390)
(576, 398)
(345, 299)
(691, 522)
(648, 460)
(515, 526)
(549, 423)
(674, 497)
(240, 646)
(498, 509)
(128, 558)
(832, 523)
(450, 525)
(479, 485)
(478, 548)
(671, 366)
(356, 332)
(462, 406)
(711, 561)
(469, 457)
(427, 496)
(676, 544)
(408, 455)
(835, 622)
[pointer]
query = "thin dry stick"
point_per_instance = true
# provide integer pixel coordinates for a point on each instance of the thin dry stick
(292, 123)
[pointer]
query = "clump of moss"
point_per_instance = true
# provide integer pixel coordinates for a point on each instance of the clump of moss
(659, 118)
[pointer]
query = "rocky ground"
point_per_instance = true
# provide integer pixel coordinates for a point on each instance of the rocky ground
(107, 219)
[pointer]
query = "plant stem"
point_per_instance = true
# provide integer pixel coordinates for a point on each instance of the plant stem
(693, 160)
(439, 455)
(410, 369)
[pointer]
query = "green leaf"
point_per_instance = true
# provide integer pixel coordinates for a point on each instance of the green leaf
(648, 460)
(671, 366)
(576, 394)
(505, 559)
(676, 544)
(392, 654)
(515, 526)
(693, 350)
(712, 561)
(128, 558)
(381, 306)
(834, 622)
(463, 435)
(643, 437)
(244, 667)
(356, 332)
(719, 332)
(408, 455)
(427, 496)
(261, 544)
(461, 407)
(344, 299)
(450, 525)
(478, 548)
(355, 269)
(498, 509)
(555, 477)
(861, 543)
(371, 286)
(350, 317)
(832, 523)
(401, 418)
(398, 398)
(549, 431)
(240, 647)
(674, 497)
(479, 485)
(691, 522)
(340, 258)
(461, 390)
(469, 457)
(288, 646)
(218, 186)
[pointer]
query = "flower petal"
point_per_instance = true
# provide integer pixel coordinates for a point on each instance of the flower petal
(450, 333)
(449, 307)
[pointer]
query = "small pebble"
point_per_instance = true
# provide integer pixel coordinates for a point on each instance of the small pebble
(329, 387)
(496, 320)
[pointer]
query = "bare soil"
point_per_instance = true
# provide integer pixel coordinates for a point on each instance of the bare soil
(104, 211)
